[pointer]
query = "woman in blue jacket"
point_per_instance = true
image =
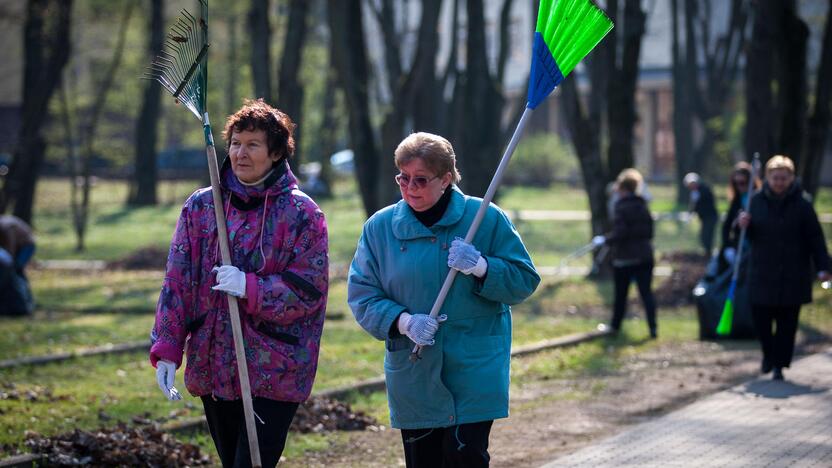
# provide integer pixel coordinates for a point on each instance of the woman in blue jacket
(444, 403)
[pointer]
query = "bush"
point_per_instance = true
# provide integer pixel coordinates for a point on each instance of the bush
(541, 159)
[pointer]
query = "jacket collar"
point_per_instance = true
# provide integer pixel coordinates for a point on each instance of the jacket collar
(282, 180)
(406, 226)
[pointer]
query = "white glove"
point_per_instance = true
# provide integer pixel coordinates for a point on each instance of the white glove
(165, 373)
(230, 280)
(420, 328)
(729, 254)
(464, 257)
(598, 241)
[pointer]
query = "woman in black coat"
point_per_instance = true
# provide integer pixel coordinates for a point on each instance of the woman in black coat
(787, 247)
(738, 190)
(632, 249)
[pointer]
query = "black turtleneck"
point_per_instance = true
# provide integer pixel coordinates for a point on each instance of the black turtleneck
(432, 215)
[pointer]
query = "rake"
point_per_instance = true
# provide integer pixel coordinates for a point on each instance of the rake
(566, 31)
(726, 320)
(182, 69)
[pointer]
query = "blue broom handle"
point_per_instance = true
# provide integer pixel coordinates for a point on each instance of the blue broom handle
(475, 225)
(754, 163)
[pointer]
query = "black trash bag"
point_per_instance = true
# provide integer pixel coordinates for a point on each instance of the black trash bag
(15, 295)
(710, 294)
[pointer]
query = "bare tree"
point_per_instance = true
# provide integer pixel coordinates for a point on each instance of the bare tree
(621, 89)
(260, 38)
(347, 36)
(819, 122)
(703, 100)
(477, 127)
(776, 61)
(612, 69)
(80, 170)
(290, 90)
(46, 52)
(143, 184)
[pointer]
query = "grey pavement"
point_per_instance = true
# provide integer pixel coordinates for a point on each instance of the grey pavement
(761, 423)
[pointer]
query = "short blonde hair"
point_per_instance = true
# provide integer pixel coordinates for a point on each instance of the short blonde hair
(780, 162)
(629, 180)
(435, 151)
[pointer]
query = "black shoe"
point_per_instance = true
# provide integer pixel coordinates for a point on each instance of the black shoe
(765, 367)
(653, 334)
(777, 374)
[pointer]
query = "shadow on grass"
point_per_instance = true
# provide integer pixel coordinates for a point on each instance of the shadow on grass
(115, 217)
(534, 305)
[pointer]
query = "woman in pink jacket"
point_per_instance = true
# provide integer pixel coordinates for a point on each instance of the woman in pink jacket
(278, 243)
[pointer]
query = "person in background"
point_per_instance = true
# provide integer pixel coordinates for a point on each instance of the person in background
(739, 187)
(446, 402)
(17, 246)
(702, 203)
(632, 249)
(788, 246)
(279, 273)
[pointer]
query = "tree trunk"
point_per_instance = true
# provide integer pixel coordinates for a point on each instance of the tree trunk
(682, 110)
(46, 51)
(347, 35)
(819, 122)
(759, 127)
(622, 109)
(585, 130)
(143, 187)
(793, 86)
(87, 132)
(482, 106)
(260, 35)
(290, 90)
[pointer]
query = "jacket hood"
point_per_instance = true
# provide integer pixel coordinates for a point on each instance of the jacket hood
(282, 180)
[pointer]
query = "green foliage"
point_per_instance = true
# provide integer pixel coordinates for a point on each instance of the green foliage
(541, 159)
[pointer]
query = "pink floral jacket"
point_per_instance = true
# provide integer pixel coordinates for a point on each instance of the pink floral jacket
(278, 237)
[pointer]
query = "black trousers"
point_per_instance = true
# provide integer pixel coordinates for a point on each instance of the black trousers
(623, 276)
(777, 346)
(228, 429)
(706, 235)
(465, 445)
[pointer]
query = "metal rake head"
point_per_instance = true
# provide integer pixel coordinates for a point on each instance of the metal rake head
(182, 66)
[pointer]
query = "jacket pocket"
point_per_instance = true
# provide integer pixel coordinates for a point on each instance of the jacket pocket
(478, 374)
(415, 392)
(278, 335)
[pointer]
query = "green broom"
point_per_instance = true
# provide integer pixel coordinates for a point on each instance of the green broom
(182, 69)
(566, 31)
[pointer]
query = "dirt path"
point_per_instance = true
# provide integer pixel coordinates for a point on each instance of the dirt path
(554, 417)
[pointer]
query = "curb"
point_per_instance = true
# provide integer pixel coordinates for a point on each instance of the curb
(49, 358)
(377, 383)
(364, 386)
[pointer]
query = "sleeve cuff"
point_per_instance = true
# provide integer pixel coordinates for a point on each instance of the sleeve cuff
(167, 352)
(252, 299)
(386, 325)
(490, 281)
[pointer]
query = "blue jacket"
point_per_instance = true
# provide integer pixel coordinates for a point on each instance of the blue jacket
(399, 266)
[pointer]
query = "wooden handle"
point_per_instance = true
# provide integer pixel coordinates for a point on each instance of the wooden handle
(233, 309)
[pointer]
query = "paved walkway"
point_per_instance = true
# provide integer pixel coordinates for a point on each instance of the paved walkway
(759, 423)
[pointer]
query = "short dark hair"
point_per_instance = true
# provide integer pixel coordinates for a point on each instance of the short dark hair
(258, 115)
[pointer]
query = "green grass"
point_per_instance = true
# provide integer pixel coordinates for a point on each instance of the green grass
(79, 309)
